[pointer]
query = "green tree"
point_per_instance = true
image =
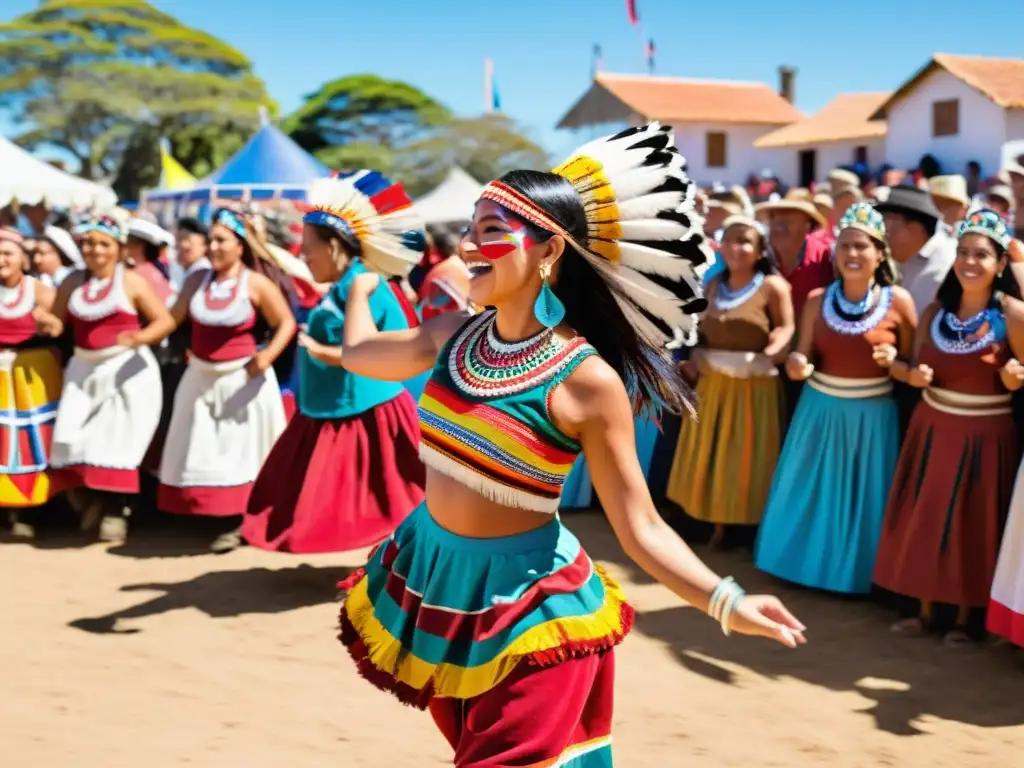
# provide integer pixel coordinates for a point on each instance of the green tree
(363, 121)
(86, 75)
(485, 147)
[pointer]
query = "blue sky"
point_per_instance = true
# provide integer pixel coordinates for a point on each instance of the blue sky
(542, 48)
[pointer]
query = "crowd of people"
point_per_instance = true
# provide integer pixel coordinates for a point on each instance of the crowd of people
(854, 370)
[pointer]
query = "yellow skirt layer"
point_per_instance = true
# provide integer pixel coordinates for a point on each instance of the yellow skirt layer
(30, 386)
(724, 462)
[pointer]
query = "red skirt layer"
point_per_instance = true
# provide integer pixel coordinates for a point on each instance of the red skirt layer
(1005, 622)
(947, 508)
(504, 727)
(96, 478)
(332, 485)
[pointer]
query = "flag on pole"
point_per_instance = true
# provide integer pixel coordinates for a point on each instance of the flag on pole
(492, 99)
(173, 175)
(634, 18)
(598, 60)
(650, 56)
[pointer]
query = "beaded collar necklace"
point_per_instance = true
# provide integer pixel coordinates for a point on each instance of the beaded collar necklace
(481, 364)
(726, 298)
(954, 336)
(855, 318)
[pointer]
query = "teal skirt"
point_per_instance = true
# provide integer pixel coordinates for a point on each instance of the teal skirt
(437, 614)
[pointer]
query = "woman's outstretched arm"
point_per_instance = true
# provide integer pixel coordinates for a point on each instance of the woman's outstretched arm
(595, 400)
(390, 355)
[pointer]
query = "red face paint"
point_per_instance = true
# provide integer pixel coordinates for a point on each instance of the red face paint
(503, 245)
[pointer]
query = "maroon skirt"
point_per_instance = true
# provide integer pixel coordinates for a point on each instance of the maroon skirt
(332, 485)
(948, 506)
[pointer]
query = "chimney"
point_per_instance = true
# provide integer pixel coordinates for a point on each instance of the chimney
(787, 83)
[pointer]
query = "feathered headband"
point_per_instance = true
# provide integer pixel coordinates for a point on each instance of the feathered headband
(644, 235)
(988, 223)
(113, 224)
(366, 208)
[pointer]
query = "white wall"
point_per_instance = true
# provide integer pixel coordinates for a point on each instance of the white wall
(741, 157)
(983, 127)
(786, 161)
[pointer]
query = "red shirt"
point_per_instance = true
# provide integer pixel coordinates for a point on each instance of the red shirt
(813, 270)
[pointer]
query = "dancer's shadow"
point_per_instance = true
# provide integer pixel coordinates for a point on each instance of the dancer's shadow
(850, 648)
(224, 594)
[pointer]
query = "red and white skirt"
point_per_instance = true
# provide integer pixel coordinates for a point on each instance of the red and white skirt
(332, 485)
(223, 427)
(1006, 606)
(108, 413)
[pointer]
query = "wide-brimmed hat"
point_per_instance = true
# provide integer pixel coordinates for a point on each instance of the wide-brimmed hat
(149, 232)
(1001, 191)
(823, 200)
(953, 187)
(909, 200)
(806, 207)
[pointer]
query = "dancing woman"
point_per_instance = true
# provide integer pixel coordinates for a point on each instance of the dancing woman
(350, 454)
(724, 462)
(482, 606)
(824, 513)
(953, 483)
(109, 409)
(228, 410)
(30, 381)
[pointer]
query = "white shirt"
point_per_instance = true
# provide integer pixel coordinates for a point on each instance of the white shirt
(923, 274)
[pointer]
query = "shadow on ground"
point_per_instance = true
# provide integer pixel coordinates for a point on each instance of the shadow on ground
(850, 648)
(224, 594)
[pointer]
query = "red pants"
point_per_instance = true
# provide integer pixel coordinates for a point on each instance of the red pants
(535, 716)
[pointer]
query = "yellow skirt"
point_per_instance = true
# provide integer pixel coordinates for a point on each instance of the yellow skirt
(30, 386)
(725, 459)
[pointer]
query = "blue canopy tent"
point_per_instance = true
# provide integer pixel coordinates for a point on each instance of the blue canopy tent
(269, 167)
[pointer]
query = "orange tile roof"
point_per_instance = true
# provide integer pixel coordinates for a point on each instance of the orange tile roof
(844, 118)
(1001, 80)
(683, 100)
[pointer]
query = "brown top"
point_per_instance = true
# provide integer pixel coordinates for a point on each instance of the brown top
(837, 354)
(974, 374)
(743, 329)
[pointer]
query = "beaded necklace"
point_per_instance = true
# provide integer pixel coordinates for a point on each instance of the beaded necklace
(482, 365)
(726, 298)
(854, 319)
(954, 336)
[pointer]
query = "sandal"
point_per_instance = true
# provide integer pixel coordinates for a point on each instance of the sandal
(957, 637)
(227, 542)
(912, 627)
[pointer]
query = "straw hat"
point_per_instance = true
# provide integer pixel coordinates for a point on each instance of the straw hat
(1002, 192)
(953, 187)
(849, 189)
(845, 177)
(806, 207)
(823, 200)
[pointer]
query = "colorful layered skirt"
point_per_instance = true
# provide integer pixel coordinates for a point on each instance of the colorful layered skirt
(222, 430)
(30, 384)
(824, 514)
(109, 411)
(1006, 604)
(489, 632)
(949, 500)
(332, 485)
(725, 458)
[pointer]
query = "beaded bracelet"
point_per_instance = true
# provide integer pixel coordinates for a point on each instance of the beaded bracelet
(724, 599)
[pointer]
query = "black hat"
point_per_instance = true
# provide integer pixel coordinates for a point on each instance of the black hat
(193, 226)
(911, 201)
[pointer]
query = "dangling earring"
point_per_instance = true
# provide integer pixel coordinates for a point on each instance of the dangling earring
(548, 310)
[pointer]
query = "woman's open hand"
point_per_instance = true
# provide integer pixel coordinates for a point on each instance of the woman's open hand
(766, 616)
(797, 367)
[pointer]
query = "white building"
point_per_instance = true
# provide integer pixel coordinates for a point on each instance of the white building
(840, 134)
(958, 109)
(716, 122)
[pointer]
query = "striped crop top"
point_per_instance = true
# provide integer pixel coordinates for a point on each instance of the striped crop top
(484, 417)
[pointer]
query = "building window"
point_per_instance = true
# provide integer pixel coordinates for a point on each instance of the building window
(946, 117)
(716, 150)
(860, 156)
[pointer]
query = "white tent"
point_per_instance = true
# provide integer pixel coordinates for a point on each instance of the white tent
(452, 201)
(30, 181)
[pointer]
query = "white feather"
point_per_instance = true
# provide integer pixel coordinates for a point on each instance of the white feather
(651, 261)
(648, 206)
(654, 229)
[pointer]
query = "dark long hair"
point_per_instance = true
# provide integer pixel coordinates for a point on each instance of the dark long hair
(951, 292)
(651, 378)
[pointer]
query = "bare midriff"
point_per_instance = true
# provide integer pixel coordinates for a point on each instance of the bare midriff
(465, 512)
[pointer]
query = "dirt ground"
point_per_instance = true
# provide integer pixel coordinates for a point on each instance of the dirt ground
(155, 654)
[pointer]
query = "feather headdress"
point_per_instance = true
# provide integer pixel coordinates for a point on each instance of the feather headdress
(366, 208)
(644, 235)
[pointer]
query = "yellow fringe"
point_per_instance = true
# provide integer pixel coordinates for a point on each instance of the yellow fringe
(450, 680)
